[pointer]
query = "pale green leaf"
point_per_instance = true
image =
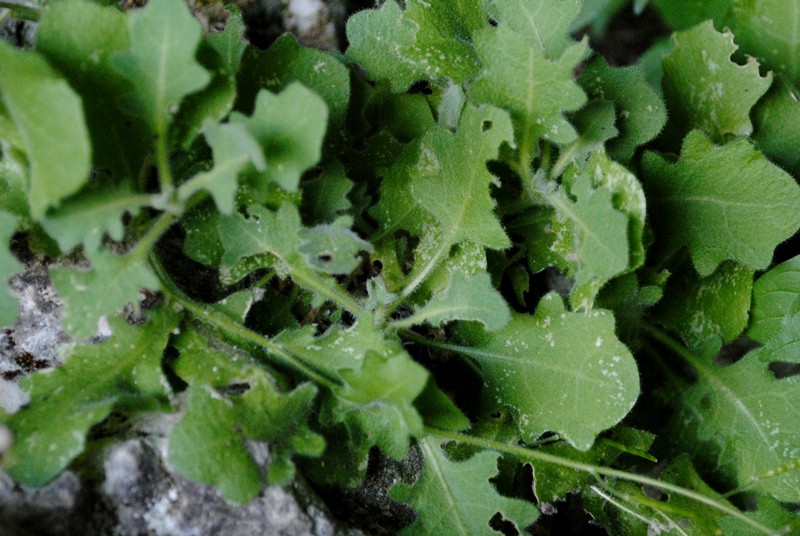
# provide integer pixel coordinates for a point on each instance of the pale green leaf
(595, 124)
(552, 482)
(276, 239)
(91, 214)
(770, 31)
(457, 497)
(452, 183)
(260, 413)
(378, 39)
(377, 399)
(211, 104)
(230, 43)
(586, 237)
(286, 62)
(233, 148)
(706, 311)
(64, 403)
(205, 447)
(379, 383)
(79, 37)
(45, 108)
(784, 346)
(563, 372)
(464, 298)
(535, 90)
(722, 202)
(640, 111)
(442, 48)
(110, 283)
(161, 62)
(770, 513)
(544, 23)
(705, 89)
(289, 127)
(333, 248)
(776, 299)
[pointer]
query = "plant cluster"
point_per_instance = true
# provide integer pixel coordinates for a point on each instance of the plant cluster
(443, 239)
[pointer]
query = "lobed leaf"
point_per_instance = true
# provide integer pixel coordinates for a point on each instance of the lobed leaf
(562, 372)
(722, 202)
(458, 496)
(161, 64)
(51, 430)
(705, 89)
(43, 107)
(535, 90)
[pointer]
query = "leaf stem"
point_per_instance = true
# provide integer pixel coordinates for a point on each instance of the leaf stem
(327, 289)
(220, 321)
(535, 455)
(162, 163)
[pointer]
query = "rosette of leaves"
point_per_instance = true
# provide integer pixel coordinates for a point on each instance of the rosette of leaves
(302, 252)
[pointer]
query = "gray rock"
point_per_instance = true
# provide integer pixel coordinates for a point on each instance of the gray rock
(20, 33)
(52, 509)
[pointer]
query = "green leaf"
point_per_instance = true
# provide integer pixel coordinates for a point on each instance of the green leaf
(44, 108)
(208, 444)
(64, 403)
(452, 183)
(325, 197)
(553, 482)
(777, 123)
(707, 311)
(438, 410)
(211, 104)
(379, 383)
(722, 202)
(91, 214)
(534, 89)
(458, 497)
(332, 248)
(740, 412)
(230, 43)
(705, 89)
(233, 148)
(776, 299)
(281, 235)
(161, 62)
(640, 111)
(689, 13)
(442, 48)
(588, 237)
(768, 30)
(79, 38)
(8, 267)
(289, 127)
(464, 298)
(531, 366)
(377, 398)
(205, 447)
(595, 125)
(770, 513)
(286, 62)
(784, 346)
(545, 24)
(110, 283)
(378, 39)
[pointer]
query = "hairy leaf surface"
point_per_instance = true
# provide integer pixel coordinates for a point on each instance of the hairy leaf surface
(722, 202)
